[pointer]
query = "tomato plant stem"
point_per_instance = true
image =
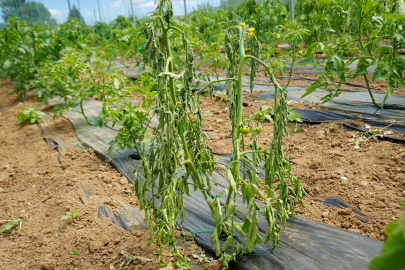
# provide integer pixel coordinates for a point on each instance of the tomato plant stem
(363, 58)
(188, 158)
(85, 117)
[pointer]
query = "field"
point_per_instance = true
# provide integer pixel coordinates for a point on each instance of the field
(237, 139)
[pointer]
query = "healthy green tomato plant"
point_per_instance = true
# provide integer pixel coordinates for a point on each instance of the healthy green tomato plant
(29, 116)
(74, 78)
(386, 58)
(133, 119)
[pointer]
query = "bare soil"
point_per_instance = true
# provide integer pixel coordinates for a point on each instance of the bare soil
(370, 179)
(37, 188)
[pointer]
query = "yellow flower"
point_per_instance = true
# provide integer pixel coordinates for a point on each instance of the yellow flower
(242, 25)
(249, 35)
(251, 30)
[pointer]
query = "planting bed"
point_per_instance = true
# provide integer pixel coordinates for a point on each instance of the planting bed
(223, 128)
(37, 188)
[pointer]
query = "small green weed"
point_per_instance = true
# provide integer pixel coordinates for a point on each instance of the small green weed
(294, 117)
(12, 225)
(71, 216)
(332, 128)
(221, 95)
(74, 252)
(29, 116)
(296, 129)
(265, 113)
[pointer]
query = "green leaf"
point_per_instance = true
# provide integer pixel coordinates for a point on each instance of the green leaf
(215, 240)
(313, 62)
(239, 251)
(230, 179)
(16, 220)
(257, 191)
(265, 108)
(6, 228)
(390, 87)
(313, 87)
(116, 83)
(393, 259)
(399, 37)
(228, 242)
(380, 74)
(339, 65)
(246, 224)
(268, 117)
(64, 217)
(173, 75)
(309, 50)
(239, 230)
(125, 38)
(6, 64)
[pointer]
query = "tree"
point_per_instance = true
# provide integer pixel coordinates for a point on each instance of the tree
(75, 13)
(27, 11)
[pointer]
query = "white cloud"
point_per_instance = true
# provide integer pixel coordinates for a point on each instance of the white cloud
(116, 3)
(55, 12)
(147, 4)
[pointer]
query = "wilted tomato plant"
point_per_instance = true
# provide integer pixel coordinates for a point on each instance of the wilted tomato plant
(179, 130)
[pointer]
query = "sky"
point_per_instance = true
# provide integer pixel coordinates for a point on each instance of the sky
(110, 9)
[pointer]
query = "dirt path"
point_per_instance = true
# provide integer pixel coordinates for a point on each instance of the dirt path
(35, 187)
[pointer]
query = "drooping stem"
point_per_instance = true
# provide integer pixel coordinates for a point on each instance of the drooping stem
(172, 93)
(85, 117)
(211, 83)
(253, 151)
(292, 65)
(239, 119)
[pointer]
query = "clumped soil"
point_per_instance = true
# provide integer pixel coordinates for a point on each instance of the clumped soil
(37, 188)
(370, 178)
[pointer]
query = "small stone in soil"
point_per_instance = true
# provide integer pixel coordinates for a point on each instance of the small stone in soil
(345, 211)
(123, 181)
